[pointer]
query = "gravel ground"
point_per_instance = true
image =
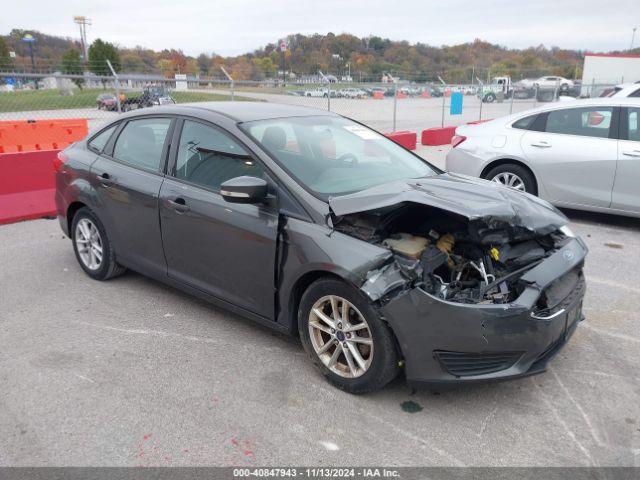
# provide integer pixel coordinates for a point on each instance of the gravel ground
(131, 372)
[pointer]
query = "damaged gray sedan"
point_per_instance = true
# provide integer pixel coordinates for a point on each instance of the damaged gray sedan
(317, 226)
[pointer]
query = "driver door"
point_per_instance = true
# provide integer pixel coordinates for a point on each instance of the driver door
(224, 249)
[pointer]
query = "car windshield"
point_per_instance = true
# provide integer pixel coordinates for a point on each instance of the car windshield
(333, 156)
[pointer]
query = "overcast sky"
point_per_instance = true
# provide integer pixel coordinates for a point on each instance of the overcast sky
(231, 27)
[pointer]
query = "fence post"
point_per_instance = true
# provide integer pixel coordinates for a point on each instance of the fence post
(395, 102)
(326, 79)
(513, 91)
(481, 102)
(535, 96)
(113, 72)
(230, 78)
(556, 92)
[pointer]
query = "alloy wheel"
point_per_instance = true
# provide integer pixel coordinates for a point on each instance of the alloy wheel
(511, 180)
(89, 244)
(340, 336)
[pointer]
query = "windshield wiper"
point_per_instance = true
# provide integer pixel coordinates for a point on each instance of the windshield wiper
(239, 156)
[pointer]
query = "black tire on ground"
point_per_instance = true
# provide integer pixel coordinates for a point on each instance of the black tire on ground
(109, 268)
(529, 181)
(490, 97)
(385, 362)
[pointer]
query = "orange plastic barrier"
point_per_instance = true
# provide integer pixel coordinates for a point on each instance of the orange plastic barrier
(35, 135)
(401, 95)
(378, 95)
(437, 135)
(405, 138)
(426, 94)
(477, 122)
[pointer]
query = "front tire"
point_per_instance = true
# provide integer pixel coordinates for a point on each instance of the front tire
(345, 337)
(513, 176)
(92, 246)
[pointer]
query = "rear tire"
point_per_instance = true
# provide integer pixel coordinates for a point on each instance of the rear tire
(92, 246)
(490, 98)
(371, 361)
(510, 171)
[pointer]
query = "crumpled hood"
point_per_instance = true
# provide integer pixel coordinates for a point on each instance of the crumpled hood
(470, 197)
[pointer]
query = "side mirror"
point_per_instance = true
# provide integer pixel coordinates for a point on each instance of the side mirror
(244, 190)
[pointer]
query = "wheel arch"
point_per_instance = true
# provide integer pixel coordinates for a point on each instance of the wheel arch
(297, 290)
(72, 209)
(506, 161)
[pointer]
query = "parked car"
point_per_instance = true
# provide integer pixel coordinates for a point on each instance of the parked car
(583, 154)
(353, 93)
(623, 90)
(107, 101)
(549, 81)
(317, 92)
(150, 97)
(317, 226)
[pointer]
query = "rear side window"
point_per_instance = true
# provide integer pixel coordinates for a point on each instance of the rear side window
(209, 157)
(141, 142)
(586, 122)
(635, 94)
(633, 115)
(524, 123)
(99, 141)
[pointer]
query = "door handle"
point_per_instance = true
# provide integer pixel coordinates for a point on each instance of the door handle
(179, 205)
(631, 153)
(105, 179)
(540, 144)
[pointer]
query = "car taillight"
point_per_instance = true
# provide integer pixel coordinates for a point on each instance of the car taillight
(457, 140)
(59, 161)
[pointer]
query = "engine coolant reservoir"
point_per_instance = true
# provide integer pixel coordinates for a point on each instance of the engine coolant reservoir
(406, 244)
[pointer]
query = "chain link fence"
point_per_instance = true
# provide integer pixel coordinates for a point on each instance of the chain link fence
(385, 103)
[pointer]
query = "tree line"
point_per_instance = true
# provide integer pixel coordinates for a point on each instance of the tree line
(365, 58)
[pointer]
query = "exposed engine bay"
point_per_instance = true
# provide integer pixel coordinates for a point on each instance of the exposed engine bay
(477, 261)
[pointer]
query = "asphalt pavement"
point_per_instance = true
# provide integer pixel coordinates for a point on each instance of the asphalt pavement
(131, 372)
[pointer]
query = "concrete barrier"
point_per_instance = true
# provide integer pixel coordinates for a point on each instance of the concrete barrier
(437, 136)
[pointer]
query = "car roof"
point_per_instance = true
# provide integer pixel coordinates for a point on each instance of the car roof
(237, 111)
(625, 89)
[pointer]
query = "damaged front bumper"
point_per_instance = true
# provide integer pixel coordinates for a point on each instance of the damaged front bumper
(443, 341)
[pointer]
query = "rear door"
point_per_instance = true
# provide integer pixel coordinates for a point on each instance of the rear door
(574, 153)
(626, 189)
(227, 250)
(127, 177)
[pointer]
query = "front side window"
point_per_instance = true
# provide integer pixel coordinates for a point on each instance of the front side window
(586, 122)
(141, 142)
(208, 157)
(99, 141)
(334, 156)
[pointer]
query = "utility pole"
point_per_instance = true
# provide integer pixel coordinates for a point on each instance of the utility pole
(82, 22)
(283, 49)
(633, 37)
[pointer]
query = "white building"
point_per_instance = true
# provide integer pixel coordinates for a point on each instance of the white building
(602, 69)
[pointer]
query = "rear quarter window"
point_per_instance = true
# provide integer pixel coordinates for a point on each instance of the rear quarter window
(98, 142)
